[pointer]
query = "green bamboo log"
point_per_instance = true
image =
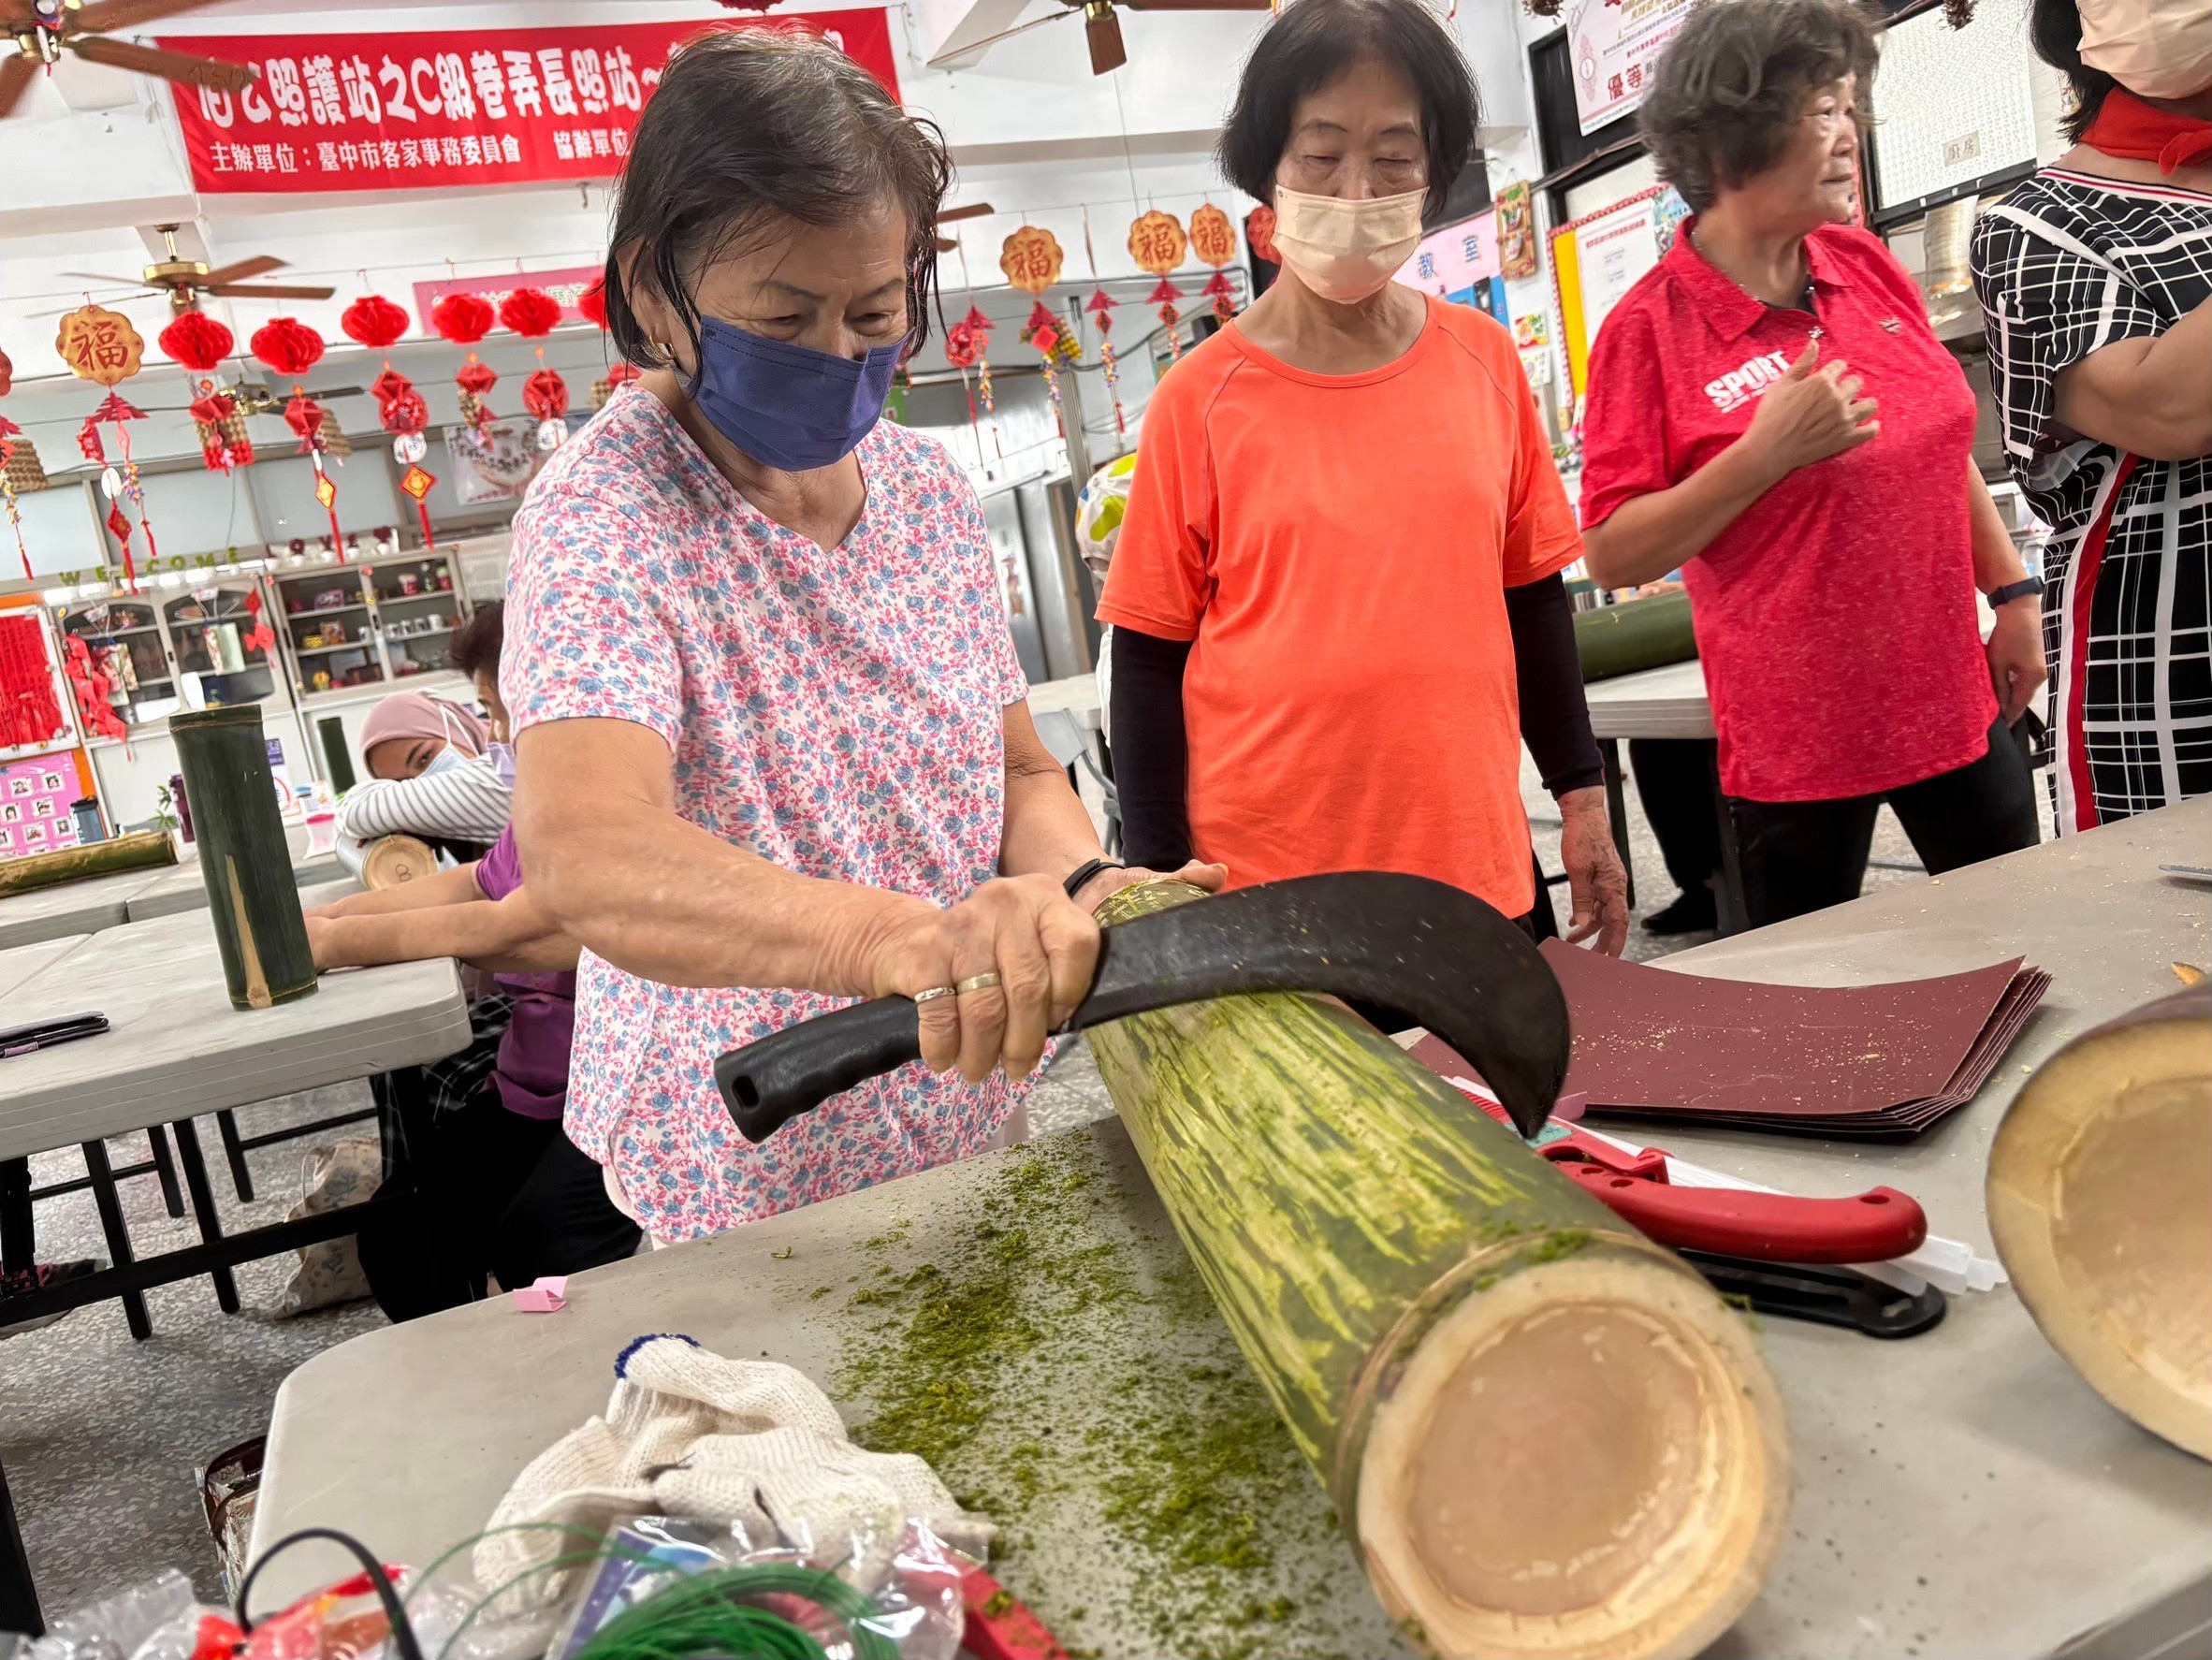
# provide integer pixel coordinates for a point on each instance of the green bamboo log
(253, 897)
(149, 849)
(2097, 1189)
(1635, 634)
(1545, 1436)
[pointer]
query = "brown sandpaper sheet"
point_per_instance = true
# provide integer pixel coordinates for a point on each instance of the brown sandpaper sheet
(1882, 1060)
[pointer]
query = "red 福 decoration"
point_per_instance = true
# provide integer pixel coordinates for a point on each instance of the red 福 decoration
(593, 302)
(287, 345)
(374, 321)
(544, 394)
(530, 313)
(29, 711)
(461, 319)
(198, 342)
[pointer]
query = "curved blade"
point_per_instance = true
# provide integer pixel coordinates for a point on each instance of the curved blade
(241, 271)
(111, 281)
(171, 66)
(975, 47)
(260, 291)
(16, 75)
(1434, 953)
(103, 16)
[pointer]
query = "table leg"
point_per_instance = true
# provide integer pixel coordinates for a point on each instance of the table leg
(19, 1598)
(165, 1170)
(235, 1151)
(203, 1205)
(1733, 915)
(19, 1238)
(1617, 811)
(119, 1239)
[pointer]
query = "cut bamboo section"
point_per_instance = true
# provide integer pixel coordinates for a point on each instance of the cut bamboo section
(2100, 1197)
(1545, 1436)
(143, 850)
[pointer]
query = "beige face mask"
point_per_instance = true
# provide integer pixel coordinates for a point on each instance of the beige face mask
(2156, 49)
(1342, 250)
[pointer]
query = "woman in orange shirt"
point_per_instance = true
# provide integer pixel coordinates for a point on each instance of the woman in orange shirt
(1336, 599)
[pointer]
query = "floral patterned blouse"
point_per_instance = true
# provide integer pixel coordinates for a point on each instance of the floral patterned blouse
(836, 711)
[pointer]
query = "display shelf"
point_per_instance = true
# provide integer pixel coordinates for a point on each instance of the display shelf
(341, 646)
(114, 633)
(327, 610)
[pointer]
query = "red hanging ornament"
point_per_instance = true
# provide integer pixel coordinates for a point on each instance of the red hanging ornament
(391, 384)
(544, 394)
(223, 441)
(198, 342)
(115, 410)
(88, 687)
(260, 637)
(9, 432)
(962, 345)
(287, 345)
(593, 302)
(88, 442)
(461, 319)
(622, 375)
(476, 378)
(304, 416)
(530, 313)
(374, 321)
(404, 413)
(1223, 296)
(979, 331)
(1165, 297)
(6, 373)
(1042, 328)
(1100, 306)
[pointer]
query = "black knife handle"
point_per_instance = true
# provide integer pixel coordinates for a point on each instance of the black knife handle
(769, 1084)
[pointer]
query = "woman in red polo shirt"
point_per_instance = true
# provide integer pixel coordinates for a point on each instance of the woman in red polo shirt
(1769, 412)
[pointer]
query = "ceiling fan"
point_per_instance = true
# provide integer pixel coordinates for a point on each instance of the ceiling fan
(186, 279)
(1101, 26)
(952, 215)
(40, 31)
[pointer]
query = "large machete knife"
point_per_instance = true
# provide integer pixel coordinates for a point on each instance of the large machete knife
(1435, 954)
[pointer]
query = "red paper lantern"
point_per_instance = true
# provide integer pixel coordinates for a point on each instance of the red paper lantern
(374, 321)
(198, 342)
(287, 345)
(593, 302)
(461, 319)
(530, 313)
(544, 394)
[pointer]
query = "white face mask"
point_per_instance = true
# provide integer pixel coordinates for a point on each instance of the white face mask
(445, 760)
(2156, 49)
(1342, 250)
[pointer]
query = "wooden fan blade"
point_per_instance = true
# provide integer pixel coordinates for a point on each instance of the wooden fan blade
(15, 80)
(111, 281)
(975, 46)
(171, 66)
(1102, 31)
(240, 270)
(104, 16)
(256, 291)
(1196, 5)
(946, 244)
(972, 211)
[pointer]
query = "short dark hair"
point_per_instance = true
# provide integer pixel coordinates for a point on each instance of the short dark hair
(1314, 42)
(476, 646)
(2054, 28)
(749, 125)
(1729, 89)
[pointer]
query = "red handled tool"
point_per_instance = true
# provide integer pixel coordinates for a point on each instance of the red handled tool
(1873, 1226)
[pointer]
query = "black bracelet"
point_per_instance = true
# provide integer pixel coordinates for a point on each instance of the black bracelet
(1084, 871)
(2016, 591)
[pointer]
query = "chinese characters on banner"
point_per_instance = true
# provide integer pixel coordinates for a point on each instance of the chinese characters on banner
(421, 111)
(1614, 45)
(1458, 263)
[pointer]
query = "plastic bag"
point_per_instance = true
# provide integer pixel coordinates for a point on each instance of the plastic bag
(119, 1626)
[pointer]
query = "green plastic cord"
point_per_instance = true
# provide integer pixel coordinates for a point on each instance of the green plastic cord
(712, 1613)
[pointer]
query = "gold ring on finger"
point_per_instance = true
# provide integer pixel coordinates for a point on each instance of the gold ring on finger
(982, 981)
(934, 993)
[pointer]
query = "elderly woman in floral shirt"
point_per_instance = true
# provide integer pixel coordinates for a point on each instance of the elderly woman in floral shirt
(773, 750)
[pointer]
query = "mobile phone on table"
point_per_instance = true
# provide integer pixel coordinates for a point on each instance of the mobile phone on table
(45, 1034)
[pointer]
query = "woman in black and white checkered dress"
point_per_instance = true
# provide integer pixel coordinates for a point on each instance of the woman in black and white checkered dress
(2095, 277)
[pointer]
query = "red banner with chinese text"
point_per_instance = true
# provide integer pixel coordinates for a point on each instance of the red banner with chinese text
(430, 110)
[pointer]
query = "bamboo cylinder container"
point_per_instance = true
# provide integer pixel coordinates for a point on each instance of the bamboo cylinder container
(1545, 1436)
(2099, 1193)
(147, 849)
(244, 858)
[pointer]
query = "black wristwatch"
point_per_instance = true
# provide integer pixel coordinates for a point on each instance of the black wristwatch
(1084, 871)
(2015, 591)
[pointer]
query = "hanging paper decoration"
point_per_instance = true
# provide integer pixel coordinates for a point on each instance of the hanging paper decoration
(6, 373)
(11, 436)
(1042, 330)
(1212, 238)
(1031, 259)
(89, 688)
(1100, 306)
(117, 485)
(1223, 296)
(1165, 297)
(1260, 232)
(260, 637)
(544, 394)
(464, 319)
(292, 348)
(99, 345)
(29, 711)
(402, 413)
(967, 346)
(617, 374)
(530, 313)
(1156, 243)
(593, 303)
(199, 343)
(374, 321)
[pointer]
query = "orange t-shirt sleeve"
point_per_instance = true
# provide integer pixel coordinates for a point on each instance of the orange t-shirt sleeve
(1158, 582)
(1541, 536)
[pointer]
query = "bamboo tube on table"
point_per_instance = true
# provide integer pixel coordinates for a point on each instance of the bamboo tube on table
(147, 849)
(1545, 1436)
(244, 858)
(2100, 1194)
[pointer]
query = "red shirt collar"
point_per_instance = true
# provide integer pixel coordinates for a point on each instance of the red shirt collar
(1732, 311)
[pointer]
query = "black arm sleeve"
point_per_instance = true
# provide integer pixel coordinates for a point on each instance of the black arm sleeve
(1151, 751)
(1554, 718)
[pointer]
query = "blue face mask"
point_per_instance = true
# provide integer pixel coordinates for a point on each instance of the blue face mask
(788, 406)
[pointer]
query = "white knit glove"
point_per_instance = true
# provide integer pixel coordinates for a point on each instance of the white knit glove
(687, 1433)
